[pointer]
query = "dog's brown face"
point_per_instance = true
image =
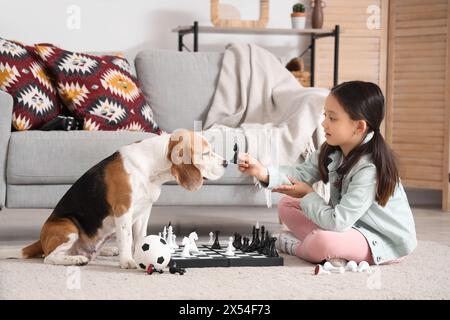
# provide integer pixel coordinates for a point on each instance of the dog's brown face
(193, 160)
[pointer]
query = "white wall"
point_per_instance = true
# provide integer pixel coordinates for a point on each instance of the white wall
(121, 25)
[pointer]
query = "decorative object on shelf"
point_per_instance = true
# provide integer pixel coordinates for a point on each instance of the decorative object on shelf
(297, 67)
(317, 13)
(232, 15)
(298, 16)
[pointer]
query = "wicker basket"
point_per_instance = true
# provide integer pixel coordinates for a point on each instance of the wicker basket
(297, 67)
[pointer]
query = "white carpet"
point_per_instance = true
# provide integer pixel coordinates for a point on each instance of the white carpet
(423, 275)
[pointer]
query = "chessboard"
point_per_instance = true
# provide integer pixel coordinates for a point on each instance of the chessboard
(216, 258)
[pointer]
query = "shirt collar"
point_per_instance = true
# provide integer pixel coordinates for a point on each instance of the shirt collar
(335, 160)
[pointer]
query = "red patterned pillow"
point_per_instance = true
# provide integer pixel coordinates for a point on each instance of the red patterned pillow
(99, 90)
(24, 77)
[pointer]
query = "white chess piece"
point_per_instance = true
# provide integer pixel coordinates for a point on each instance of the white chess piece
(351, 266)
(363, 266)
(186, 244)
(329, 267)
(174, 241)
(164, 233)
(211, 238)
(318, 269)
(169, 237)
(192, 238)
(230, 248)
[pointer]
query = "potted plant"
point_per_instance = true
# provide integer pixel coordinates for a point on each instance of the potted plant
(298, 16)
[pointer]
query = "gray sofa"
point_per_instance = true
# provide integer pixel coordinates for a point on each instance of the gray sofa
(38, 167)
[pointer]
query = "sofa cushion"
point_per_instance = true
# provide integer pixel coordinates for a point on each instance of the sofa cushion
(100, 90)
(24, 77)
(47, 196)
(179, 86)
(61, 157)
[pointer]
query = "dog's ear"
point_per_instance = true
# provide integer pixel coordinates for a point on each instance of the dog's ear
(188, 176)
(184, 171)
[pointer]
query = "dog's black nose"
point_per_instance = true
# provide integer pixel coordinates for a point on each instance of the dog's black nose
(225, 163)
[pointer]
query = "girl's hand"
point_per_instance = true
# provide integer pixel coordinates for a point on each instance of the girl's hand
(298, 189)
(252, 167)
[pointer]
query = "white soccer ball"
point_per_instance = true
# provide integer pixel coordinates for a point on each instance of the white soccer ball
(152, 250)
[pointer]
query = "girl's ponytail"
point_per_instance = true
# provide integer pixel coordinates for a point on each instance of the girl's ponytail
(387, 172)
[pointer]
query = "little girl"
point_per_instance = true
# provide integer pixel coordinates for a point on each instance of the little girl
(368, 216)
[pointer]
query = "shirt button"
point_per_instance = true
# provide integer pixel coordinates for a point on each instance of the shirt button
(378, 258)
(374, 242)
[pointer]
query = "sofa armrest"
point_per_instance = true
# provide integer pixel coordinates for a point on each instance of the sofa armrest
(6, 107)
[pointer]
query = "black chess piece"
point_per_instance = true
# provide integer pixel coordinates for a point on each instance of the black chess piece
(237, 243)
(266, 249)
(174, 269)
(216, 244)
(255, 242)
(236, 152)
(262, 243)
(245, 246)
(273, 250)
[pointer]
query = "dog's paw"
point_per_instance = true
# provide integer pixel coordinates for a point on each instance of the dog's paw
(66, 260)
(128, 264)
(81, 260)
(109, 251)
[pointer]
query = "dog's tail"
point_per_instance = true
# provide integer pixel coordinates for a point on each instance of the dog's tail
(32, 251)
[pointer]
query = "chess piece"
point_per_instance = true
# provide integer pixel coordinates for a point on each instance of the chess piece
(318, 269)
(186, 243)
(230, 249)
(174, 241)
(211, 238)
(245, 246)
(351, 266)
(273, 250)
(262, 243)
(164, 233)
(266, 249)
(169, 237)
(329, 267)
(151, 269)
(363, 266)
(237, 241)
(216, 244)
(192, 238)
(173, 268)
(255, 242)
(236, 152)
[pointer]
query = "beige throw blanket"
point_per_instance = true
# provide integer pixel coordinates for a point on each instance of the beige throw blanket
(256, 93)
(278, 116)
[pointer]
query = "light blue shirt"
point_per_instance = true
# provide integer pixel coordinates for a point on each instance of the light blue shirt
(389, 230)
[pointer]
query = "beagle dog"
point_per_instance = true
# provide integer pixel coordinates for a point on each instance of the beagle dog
(117, 194)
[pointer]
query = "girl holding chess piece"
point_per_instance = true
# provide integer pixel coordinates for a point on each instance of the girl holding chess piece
(368, 217)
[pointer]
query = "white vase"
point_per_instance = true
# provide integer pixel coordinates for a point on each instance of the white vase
(298, 22)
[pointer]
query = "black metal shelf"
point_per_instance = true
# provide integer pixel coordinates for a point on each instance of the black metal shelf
(314, 34)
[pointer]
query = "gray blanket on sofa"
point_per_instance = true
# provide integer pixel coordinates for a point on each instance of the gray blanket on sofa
(278, 116)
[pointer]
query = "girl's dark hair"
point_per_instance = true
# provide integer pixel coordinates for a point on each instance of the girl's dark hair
(364, 101)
